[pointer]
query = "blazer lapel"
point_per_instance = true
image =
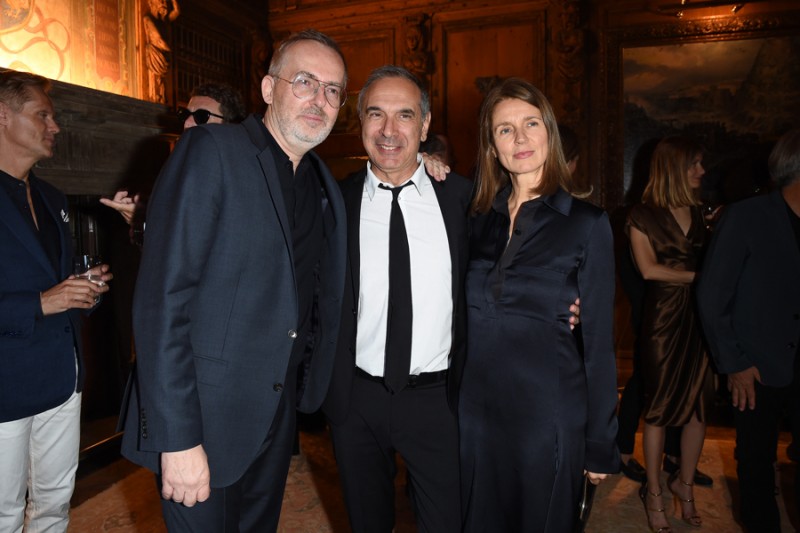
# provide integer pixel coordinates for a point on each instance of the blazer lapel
(24, 233)
(270, 171)
(784, 233)
(453, 216)
(353, 195)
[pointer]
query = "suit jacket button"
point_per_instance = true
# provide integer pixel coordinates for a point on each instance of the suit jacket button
(292, 334)
(278, 387)
(67, 329)
(792, 345)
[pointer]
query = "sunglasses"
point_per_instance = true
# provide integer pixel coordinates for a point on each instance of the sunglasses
(201, 116)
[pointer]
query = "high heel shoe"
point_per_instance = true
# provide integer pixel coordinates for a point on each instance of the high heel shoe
(643, 492)
(691, 518)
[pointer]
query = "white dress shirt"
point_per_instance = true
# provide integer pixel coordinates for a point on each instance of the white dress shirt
(431, 275)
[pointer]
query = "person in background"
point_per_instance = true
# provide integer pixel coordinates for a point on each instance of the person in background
(210, 103)
(667, 233)
(537, 400)
(41, 375)
(437, 145)
(238, 301)
(749, 304)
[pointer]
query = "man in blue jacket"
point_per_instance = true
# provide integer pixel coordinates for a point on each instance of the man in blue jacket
(40, 343)
(749, 302)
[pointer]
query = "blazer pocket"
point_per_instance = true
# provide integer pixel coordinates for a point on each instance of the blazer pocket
(210, 371)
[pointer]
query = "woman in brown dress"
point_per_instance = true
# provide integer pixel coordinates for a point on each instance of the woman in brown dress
(667, 233)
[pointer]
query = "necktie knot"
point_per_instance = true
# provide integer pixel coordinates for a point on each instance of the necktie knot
(395, 190)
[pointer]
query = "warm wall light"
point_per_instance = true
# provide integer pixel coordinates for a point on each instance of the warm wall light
(678, 9)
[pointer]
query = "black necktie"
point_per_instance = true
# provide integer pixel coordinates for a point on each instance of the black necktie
(398, 326)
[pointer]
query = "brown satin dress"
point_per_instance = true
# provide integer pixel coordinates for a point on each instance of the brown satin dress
(675, 366)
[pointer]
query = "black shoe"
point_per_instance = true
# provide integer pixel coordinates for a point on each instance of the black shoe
(700, 478)
(633, 470)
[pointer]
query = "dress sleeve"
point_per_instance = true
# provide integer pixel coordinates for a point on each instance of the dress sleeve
(596, 286)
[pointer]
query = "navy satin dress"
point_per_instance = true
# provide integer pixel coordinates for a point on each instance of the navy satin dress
(537, 401)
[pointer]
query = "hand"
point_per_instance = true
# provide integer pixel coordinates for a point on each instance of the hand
(594, 477)
(100, 275)
(72, 293)
(575, 309)
(124, 204)
(743, 388)
(435, 167)
(185, 477)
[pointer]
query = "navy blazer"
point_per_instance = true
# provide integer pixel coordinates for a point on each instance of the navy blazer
(749, 290)
(37, 353)
(215, 306)
(454, 195)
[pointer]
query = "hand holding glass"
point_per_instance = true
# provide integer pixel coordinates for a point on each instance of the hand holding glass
(82, 266)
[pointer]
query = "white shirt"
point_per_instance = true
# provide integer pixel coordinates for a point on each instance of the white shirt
(431, 275)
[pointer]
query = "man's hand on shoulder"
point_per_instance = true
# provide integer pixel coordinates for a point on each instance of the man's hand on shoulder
(743, 388)
(435, 167)
(185, 477)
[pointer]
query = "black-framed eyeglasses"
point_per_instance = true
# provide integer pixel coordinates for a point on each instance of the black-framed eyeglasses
(304, 86)
(201, 116)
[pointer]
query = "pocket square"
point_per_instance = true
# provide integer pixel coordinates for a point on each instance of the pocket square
(64, 216)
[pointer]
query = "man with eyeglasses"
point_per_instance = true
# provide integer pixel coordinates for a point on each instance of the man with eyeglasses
(210, 103)
(245, 243)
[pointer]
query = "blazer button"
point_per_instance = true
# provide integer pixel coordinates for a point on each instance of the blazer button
(67, 329)
(278, 387)
(292, 334)
(792, 345)
(517, 232)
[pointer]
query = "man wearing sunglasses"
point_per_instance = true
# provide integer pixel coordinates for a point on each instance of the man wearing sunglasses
(210, 103)
(246, 241)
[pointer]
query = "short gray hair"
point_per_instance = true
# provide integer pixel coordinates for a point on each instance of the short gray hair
(784, 160)
(393, 71)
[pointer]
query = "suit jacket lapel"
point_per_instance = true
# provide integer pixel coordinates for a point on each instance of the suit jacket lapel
(270, 171)
(24, 233)
(453, 216)
(353, 195)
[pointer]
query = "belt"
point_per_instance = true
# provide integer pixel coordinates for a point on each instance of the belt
(414, 380)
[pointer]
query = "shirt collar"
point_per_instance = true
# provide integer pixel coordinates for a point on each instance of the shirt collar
(560, 201)
(420, 179)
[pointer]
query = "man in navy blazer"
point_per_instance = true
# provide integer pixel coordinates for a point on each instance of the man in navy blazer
(370, 422)
(41, 374)
(749, 301)
(245, 241)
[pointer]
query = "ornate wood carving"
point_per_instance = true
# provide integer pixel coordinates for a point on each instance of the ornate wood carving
(416, 54)
(567, 91)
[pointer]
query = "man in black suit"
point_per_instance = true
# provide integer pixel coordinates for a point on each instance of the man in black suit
(371, 420)
(245, 242)
(749, 302)
(41, 375)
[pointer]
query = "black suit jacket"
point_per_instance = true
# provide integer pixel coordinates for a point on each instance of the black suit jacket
(749, 290)
(215, 308)
(454, 195)
(37, 353)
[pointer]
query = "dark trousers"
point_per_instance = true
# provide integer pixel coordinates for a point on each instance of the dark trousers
(253, 503)
(415, 423)
(756, 445)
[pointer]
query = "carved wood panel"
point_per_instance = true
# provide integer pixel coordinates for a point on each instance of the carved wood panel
(472, 52)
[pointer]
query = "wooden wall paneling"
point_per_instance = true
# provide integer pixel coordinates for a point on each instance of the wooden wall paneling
(472, 49)
(364, 49)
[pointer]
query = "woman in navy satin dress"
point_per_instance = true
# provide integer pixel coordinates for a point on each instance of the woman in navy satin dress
(537, 401)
